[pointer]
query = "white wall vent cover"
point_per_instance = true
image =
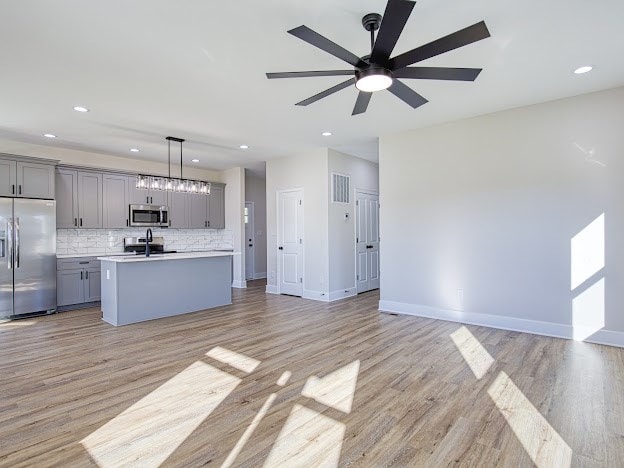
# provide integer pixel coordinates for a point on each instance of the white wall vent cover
(340, 188)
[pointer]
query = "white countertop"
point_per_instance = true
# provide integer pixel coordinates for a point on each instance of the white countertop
(96, 254)
(162, 257)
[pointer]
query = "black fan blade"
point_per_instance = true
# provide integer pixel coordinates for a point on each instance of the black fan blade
(327, 92)
(407, 94)
(394, 19)
(458, 39)
(305, 74)
(362, 103)
(438, 73)
(312, 37)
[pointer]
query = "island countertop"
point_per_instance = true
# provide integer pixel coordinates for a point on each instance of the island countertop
(169, 256)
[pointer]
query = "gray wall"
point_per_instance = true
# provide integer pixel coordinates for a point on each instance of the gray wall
(255, 191)
(501, 215)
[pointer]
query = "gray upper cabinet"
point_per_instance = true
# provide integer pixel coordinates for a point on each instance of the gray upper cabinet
(216, 207)
(115, 201)
(198, 210)
(26, 179)
(178, 210)
(145, 196)
(90, 200)
(66, 199)
(35, 180)
(8, 176)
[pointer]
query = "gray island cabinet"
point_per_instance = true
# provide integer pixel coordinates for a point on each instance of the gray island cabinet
(137, 288)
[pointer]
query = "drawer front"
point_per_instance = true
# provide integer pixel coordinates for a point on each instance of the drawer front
(77, 263)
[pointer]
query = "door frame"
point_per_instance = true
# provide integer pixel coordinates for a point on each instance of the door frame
(355, 256)
(252, 257)
(277, 238)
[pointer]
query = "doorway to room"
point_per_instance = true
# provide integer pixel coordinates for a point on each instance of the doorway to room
(250, 241)
(367, 240)
(290, 242)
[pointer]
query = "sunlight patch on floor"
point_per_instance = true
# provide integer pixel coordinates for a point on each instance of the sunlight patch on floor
(540, 440)
(335, 389)
(249, 431)
(284, 378)
(473, 352)
(150, 430)
(234, 359)
(307, 439)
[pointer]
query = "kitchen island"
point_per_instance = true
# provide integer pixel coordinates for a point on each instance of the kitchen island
(139, 288)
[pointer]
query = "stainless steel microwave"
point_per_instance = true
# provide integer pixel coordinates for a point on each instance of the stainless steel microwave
(149, 216)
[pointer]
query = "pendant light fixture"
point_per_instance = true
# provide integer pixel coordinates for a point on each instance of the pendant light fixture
(173, 184)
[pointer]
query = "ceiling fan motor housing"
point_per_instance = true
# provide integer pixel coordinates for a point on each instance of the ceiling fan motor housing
(372, 21)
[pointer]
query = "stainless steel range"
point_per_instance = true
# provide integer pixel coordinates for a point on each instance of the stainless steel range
(138, 245)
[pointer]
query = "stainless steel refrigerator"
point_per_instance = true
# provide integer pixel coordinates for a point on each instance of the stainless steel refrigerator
(27, 257)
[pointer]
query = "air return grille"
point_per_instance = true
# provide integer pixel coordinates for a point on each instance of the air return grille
(340, 188)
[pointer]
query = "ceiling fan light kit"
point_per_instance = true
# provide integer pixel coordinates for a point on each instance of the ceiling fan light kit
(377, 71)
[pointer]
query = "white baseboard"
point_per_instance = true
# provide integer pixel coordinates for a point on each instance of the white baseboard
(239, 284)
(315, 295)
(342, 293)
(271, 289)
(557, 330)
(260, 275)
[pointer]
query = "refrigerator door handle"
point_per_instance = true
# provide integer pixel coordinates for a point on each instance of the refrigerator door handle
(17, 242)
(10, 241)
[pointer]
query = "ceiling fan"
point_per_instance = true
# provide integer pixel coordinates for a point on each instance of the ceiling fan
(377, 71)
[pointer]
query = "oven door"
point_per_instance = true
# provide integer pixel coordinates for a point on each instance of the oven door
(148, 216)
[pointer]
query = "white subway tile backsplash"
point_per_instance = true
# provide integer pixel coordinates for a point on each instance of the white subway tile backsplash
(85, 241)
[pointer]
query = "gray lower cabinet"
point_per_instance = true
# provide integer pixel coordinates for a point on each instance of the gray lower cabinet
(78, 281)
(8, 178)
(216, 207)
(66, 199)
(178, 210)
(26, 179)
(90, 200)
(115, 201)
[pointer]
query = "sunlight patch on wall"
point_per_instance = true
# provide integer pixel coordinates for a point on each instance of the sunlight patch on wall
(151, 429)
(309, 438)
(234, 359)
(473, 352)
(587, 252)
(543, 444)
(588, 311)
(336, 389)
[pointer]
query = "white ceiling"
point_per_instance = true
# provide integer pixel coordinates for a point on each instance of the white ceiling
(195, 69)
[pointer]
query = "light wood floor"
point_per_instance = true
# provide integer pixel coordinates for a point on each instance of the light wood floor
(283, 381)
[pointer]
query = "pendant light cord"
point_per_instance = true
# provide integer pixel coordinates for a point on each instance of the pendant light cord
(181, 176)
(169, 157)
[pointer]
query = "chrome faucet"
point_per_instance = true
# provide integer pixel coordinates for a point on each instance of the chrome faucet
(148, 239)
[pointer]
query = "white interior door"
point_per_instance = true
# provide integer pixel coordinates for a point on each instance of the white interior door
(367, 241)
(290, 242)
(250, 241)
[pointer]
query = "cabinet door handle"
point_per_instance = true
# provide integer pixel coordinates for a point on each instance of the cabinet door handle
(281, 248)
(205, 223)
(19, 189)
(81, 276)
(127, 223)
(13, 189)
(75, 221)
(208, 225)
(86, 275)
(80, 222)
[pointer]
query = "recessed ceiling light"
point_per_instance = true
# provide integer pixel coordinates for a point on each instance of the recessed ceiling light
(195, 160)
(244, 147)
(80, 109)
(134, 150)
(326, 133)
(49, 135)
(581, 70)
